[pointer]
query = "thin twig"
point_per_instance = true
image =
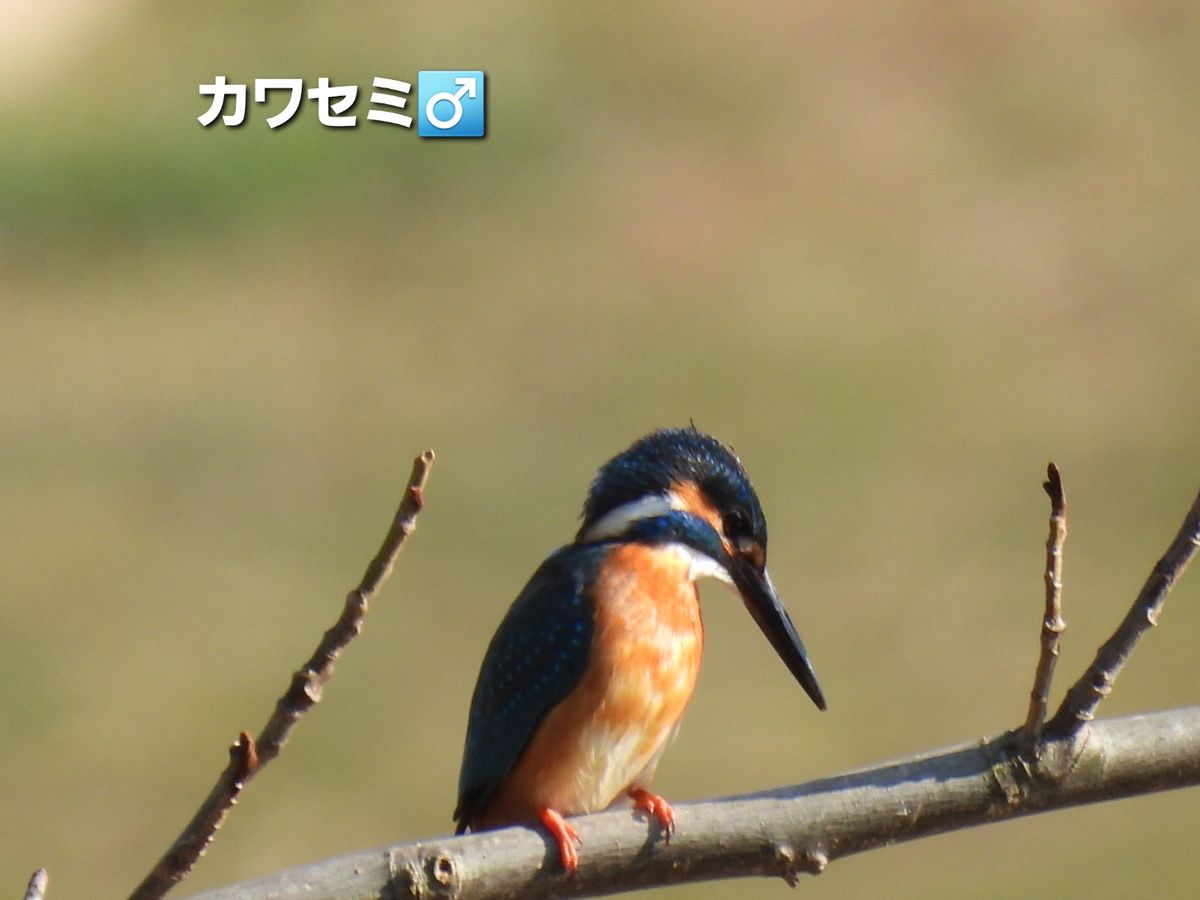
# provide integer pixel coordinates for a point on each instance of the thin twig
(248, 756)
(1052, 620)
(1079, 706)
(783, 833)
(37, 885)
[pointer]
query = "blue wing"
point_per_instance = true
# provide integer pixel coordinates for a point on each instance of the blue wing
(536, 658)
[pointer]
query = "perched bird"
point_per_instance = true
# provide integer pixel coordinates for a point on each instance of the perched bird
(587, 677)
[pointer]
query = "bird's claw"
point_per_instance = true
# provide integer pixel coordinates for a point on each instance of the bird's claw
(654, 805)
(565, 836)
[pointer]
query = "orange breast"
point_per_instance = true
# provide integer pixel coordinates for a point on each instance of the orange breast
(610, 731)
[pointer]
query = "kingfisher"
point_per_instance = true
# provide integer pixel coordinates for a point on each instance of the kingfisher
(587, 677)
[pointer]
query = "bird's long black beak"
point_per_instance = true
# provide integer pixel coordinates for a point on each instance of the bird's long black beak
(758, 593)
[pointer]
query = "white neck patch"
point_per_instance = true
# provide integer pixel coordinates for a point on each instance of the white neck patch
(616, 522)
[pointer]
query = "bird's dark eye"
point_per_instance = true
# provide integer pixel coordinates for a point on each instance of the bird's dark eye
(736, 523)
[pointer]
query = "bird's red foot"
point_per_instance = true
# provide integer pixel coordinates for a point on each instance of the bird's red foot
(564, 835)
(656, 806)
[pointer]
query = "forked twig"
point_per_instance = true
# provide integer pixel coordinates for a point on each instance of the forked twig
(247, 756)
(1052, 621)
(1079, 706)
(802, 828)
(797, 829)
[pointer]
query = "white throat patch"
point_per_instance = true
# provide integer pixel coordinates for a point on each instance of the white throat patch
(700, 565)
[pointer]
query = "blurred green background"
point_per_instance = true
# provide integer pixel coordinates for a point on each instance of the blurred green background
(899, 255)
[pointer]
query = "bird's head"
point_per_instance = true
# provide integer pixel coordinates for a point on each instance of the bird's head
(683, 486)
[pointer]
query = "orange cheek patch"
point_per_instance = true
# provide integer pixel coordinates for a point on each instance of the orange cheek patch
(692, 500)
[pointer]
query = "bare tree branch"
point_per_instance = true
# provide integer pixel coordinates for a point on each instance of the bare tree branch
(781, 833)
(1079, 706)
(785, 832)
(1052, 622)
(38, 882)
(247, 756)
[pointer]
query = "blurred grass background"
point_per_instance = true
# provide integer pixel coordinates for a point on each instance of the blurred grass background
(899, 255)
